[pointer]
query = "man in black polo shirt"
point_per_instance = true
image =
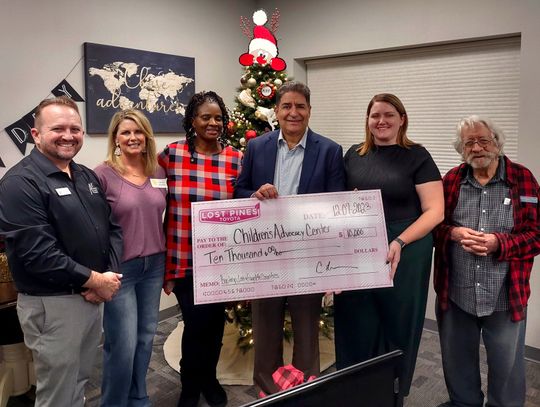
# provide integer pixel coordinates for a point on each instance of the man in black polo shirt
(61, 247)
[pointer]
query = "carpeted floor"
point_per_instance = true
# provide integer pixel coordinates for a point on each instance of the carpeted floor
(428, 388)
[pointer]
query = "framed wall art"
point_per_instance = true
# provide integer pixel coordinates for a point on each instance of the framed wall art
(160, 85)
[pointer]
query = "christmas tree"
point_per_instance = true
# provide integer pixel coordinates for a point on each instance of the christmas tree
(264, 73)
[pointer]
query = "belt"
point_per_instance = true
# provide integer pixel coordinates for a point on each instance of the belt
(52, 294)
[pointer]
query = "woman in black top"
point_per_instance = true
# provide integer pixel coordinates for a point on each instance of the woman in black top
(369, 323)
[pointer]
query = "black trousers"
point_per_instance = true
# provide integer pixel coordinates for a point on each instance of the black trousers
(369, 323)
(201, 340)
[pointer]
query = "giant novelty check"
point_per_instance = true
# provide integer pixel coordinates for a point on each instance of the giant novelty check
(299, 244)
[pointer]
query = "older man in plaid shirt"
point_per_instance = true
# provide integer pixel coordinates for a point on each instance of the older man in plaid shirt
(483, 259)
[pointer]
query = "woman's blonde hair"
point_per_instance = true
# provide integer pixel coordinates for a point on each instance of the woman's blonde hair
(402, 139)
(149, 156)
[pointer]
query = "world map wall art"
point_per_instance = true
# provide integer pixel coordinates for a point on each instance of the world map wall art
(160, 85)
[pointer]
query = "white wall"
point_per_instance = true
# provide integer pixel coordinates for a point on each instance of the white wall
(318, 28)
(40, 41)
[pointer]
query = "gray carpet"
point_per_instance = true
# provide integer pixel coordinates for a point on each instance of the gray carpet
(428, 388)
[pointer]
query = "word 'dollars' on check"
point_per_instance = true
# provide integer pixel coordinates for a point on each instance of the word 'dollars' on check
(299, 244)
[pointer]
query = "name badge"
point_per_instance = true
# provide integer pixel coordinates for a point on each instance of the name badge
(507, 201)
(159, 182)
(63, 191)
(528, 199)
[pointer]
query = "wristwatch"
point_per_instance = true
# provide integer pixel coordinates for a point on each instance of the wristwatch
(400, 242)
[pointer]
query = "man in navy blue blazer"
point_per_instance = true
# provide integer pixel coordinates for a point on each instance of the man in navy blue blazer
(293, 160)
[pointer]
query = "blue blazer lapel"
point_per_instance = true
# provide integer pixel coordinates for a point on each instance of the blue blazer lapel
(269, 157)
(310, 160)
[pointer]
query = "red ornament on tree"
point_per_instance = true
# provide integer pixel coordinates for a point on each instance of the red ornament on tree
(251, 134)
(231, 128)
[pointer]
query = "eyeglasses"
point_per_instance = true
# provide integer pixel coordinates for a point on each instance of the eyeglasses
(482, 142)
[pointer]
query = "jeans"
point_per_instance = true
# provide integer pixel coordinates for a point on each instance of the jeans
(459, 333)
(130, 322)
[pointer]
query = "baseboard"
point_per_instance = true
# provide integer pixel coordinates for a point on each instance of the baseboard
(168, 312)
(430, 325)
(531, 353)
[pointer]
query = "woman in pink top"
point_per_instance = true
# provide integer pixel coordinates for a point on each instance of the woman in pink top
(136, 189)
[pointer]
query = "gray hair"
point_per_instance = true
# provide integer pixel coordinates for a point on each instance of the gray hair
(473, 121)
(293, 86)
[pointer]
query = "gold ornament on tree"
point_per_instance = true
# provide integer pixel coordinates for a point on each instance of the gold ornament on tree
(243, 81)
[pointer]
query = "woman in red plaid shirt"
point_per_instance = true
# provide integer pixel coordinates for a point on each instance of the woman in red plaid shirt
(201, 168)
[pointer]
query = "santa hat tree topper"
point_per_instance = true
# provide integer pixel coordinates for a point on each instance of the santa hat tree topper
(264, 73)
(262, 48)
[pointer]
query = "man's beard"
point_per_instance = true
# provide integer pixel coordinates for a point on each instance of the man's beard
(481, 163)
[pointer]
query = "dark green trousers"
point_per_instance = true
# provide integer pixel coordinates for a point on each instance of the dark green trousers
(369, 323)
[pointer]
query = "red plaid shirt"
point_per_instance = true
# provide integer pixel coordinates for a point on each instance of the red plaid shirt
(210, 178)
(518, 248)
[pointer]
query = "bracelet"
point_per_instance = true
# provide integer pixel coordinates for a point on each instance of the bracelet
(400, 242)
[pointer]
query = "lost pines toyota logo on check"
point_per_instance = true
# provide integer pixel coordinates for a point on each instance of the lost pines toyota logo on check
(230, 215)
